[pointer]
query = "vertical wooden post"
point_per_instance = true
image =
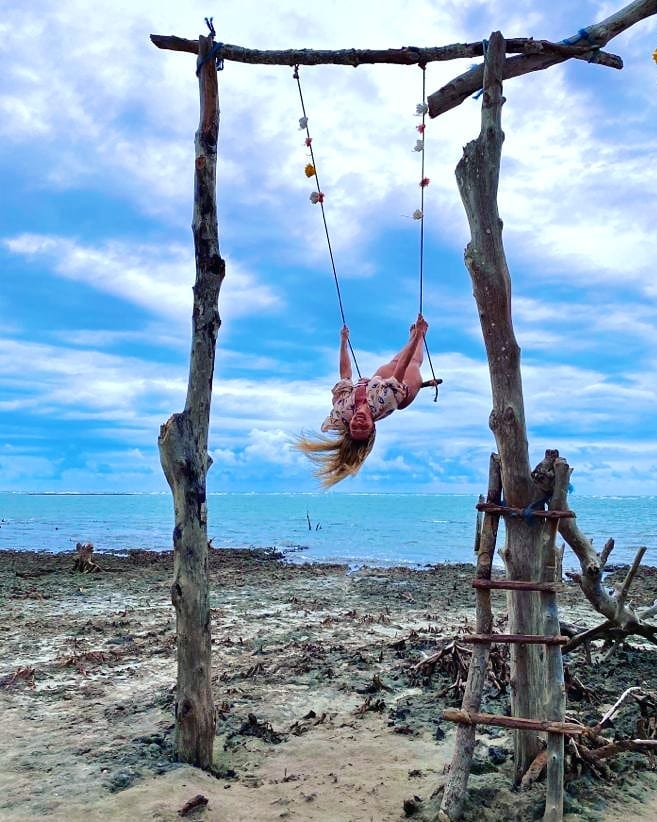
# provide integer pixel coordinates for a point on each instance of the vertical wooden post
(454, 796)
(477, 176)
(555, 688)
(183, 444)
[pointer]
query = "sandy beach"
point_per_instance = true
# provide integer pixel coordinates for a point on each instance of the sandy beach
(324, 712)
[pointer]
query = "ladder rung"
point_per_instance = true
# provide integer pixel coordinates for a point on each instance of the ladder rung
(506, 510)
(514, 585)
(519, 723)
(527, 639)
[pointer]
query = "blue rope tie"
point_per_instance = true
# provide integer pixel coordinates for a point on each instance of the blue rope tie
(583, 34)
(214, 51)
(528, 512)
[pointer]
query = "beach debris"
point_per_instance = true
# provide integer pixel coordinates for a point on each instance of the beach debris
(262, 730)
(374, 686)
(301, 726)
(255, 670)
(575, 688)
(378, 706)
(198, 801)
(412, 806)
(318, 525)
(24, 675)
(535, 770)
(80, 659)
(84, 563)
(370, 619)
(453, 661)
(591, 749)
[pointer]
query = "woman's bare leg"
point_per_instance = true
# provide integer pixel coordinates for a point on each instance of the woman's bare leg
(412, 376)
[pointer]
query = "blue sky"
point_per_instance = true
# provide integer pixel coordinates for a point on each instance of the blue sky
(96, 254)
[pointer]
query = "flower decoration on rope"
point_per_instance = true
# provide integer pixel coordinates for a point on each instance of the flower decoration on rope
(424, 182)
(421, 128)
(310, 170)
(654, 55)
(421, 109)
(417, 214)
(317, 197)
(308, 141)
(419, 145)
(303, 122)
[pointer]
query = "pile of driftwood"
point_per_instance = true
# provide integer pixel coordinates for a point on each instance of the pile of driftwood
(84, 563)
(589, 750)
(453, 661)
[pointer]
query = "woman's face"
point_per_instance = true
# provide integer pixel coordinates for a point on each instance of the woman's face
(361, 424)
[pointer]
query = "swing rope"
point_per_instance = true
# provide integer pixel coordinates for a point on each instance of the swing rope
(424, 182)
(318, 197)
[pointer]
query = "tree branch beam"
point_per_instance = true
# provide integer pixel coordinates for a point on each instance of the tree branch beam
(405, 56)
(594, 36)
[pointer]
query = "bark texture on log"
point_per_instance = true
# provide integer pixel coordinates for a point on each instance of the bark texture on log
(477, 176)
(183, 444)
(405, 56)
(459, 772)
(596, 35)
(501, 721)
(555, 687)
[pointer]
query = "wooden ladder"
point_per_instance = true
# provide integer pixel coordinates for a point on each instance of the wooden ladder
(469, 715)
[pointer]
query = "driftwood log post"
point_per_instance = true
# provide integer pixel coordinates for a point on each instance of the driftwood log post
(459, 772)
(477, 175)
(555, 687)
(183, 444)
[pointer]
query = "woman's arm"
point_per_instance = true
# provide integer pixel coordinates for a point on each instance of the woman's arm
(345, 360)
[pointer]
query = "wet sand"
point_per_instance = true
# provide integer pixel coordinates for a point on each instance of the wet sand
(323, 713)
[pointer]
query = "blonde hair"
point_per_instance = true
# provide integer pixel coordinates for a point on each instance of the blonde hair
(336, 458)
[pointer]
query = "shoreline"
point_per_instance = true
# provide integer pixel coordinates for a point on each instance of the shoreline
(304, 731)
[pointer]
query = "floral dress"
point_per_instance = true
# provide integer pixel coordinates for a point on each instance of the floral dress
(383, 397)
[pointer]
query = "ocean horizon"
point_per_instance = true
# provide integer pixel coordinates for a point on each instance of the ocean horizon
(354, 528)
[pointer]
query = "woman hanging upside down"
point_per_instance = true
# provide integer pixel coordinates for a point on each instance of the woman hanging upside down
(356, 408)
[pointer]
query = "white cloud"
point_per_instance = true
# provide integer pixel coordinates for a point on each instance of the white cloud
(149, 276)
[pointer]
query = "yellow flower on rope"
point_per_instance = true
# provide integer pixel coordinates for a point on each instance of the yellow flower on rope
(654, 55)
(310, 170)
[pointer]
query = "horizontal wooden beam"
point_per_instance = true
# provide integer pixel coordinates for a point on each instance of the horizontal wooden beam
(515, 639)
(407, 55)
(514, 585)
(517, 723)
(506, 510)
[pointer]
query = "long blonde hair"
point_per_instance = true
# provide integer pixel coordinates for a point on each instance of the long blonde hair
(336, 458)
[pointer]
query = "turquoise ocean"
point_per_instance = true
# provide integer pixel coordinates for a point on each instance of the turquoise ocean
(373, 529)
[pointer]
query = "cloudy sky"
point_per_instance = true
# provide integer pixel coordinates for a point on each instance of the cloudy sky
(96, 254)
